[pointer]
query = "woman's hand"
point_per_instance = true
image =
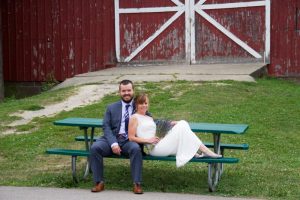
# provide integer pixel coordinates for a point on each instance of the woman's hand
(153, 140)
(173, 123)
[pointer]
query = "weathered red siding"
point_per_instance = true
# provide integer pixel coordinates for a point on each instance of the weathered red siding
(285, 38)
(67, 37)
(136, 28)
(56, 37)
(248, 24)
(211, 45)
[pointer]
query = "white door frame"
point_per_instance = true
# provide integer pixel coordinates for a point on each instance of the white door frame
(190, 8)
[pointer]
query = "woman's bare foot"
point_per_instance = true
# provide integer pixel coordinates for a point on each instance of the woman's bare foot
(208, 153)
(197, 155)
(211, 155)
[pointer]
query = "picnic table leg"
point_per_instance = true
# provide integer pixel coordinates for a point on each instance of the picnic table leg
(92, 137)
(214, 169)
(213, 176)
(222, 165)
(91, 143)
(217, 138)
(87, 169)
(218, 150)
(74, 158)
(87, 147)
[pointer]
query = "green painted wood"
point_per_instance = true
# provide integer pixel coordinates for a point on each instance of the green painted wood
(80, 122)
(80, 138)
(219, 128)
(68, 152)
(210, 145)
(196, 127)
(72, 152)
(243, 146)
(206, 160)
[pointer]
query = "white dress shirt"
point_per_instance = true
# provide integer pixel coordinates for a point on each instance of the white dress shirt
(122, 127)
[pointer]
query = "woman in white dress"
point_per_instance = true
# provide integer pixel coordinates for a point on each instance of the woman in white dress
(180, 141)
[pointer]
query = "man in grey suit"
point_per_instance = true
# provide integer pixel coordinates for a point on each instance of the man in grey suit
(115, 139)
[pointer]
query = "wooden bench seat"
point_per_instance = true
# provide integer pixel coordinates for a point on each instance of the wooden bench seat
(68, 152)
(75, 153)
(223, 146)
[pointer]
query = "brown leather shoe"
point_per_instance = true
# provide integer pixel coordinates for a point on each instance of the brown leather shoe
(98, 187)
(137, 188)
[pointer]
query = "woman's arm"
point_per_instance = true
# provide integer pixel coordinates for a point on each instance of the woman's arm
(132, 127)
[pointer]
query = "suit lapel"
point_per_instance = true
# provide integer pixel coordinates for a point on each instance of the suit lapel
(119, 111)
(119, 114)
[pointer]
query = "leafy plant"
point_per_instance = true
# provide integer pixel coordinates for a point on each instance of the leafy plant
(50, 82)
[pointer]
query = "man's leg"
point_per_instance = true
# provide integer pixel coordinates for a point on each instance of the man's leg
(133, 150)
(99, 149)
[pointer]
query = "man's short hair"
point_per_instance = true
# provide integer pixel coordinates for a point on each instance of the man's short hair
(126, 82)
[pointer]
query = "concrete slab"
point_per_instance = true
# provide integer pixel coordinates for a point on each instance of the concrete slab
(208, 72)
(245, 68)
(147, 78)
(216, 77)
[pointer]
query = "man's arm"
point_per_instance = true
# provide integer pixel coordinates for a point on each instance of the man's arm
(107, 127)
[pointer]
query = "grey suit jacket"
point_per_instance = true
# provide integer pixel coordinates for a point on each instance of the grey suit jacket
(112, 122)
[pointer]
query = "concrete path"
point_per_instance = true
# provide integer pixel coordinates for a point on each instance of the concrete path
(34, 193)
(211, 72)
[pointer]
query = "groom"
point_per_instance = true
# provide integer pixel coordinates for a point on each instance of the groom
(115, 139)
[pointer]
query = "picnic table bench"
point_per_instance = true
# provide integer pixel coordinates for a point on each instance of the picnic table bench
(215, 165)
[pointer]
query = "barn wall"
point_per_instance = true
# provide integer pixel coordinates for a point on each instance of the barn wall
(56, 38)
(62, 38)
(285, 38)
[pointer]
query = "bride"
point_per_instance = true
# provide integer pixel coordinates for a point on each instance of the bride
(180, 140)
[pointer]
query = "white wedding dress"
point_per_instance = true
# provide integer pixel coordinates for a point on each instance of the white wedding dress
(180, 141)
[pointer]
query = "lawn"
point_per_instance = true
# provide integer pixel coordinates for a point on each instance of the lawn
(269, 169)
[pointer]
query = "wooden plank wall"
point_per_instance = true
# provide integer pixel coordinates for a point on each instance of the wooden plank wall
(135, 28)
(246, 23)
(285, 38)
(58, 38)
(67, 37)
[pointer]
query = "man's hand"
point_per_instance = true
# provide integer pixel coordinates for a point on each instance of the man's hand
(116, 150)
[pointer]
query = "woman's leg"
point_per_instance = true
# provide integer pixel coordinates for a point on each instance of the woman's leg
(207, 152)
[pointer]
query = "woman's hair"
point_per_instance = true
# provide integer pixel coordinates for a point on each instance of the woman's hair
(140, 99)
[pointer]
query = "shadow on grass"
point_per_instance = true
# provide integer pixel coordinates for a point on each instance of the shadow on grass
(157, 176)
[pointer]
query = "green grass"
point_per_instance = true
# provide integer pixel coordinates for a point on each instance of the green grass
(269, 169)
(33, 103)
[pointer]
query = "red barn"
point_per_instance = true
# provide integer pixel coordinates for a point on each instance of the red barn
(62, 38)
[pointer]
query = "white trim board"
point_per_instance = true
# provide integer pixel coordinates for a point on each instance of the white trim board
(232, 5)
(150, 10)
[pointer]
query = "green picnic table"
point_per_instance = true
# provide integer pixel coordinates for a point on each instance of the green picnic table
(215, 165)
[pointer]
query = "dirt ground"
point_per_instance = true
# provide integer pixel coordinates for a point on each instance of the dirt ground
(85, 95)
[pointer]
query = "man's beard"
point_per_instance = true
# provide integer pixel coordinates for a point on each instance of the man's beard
(127, 101)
